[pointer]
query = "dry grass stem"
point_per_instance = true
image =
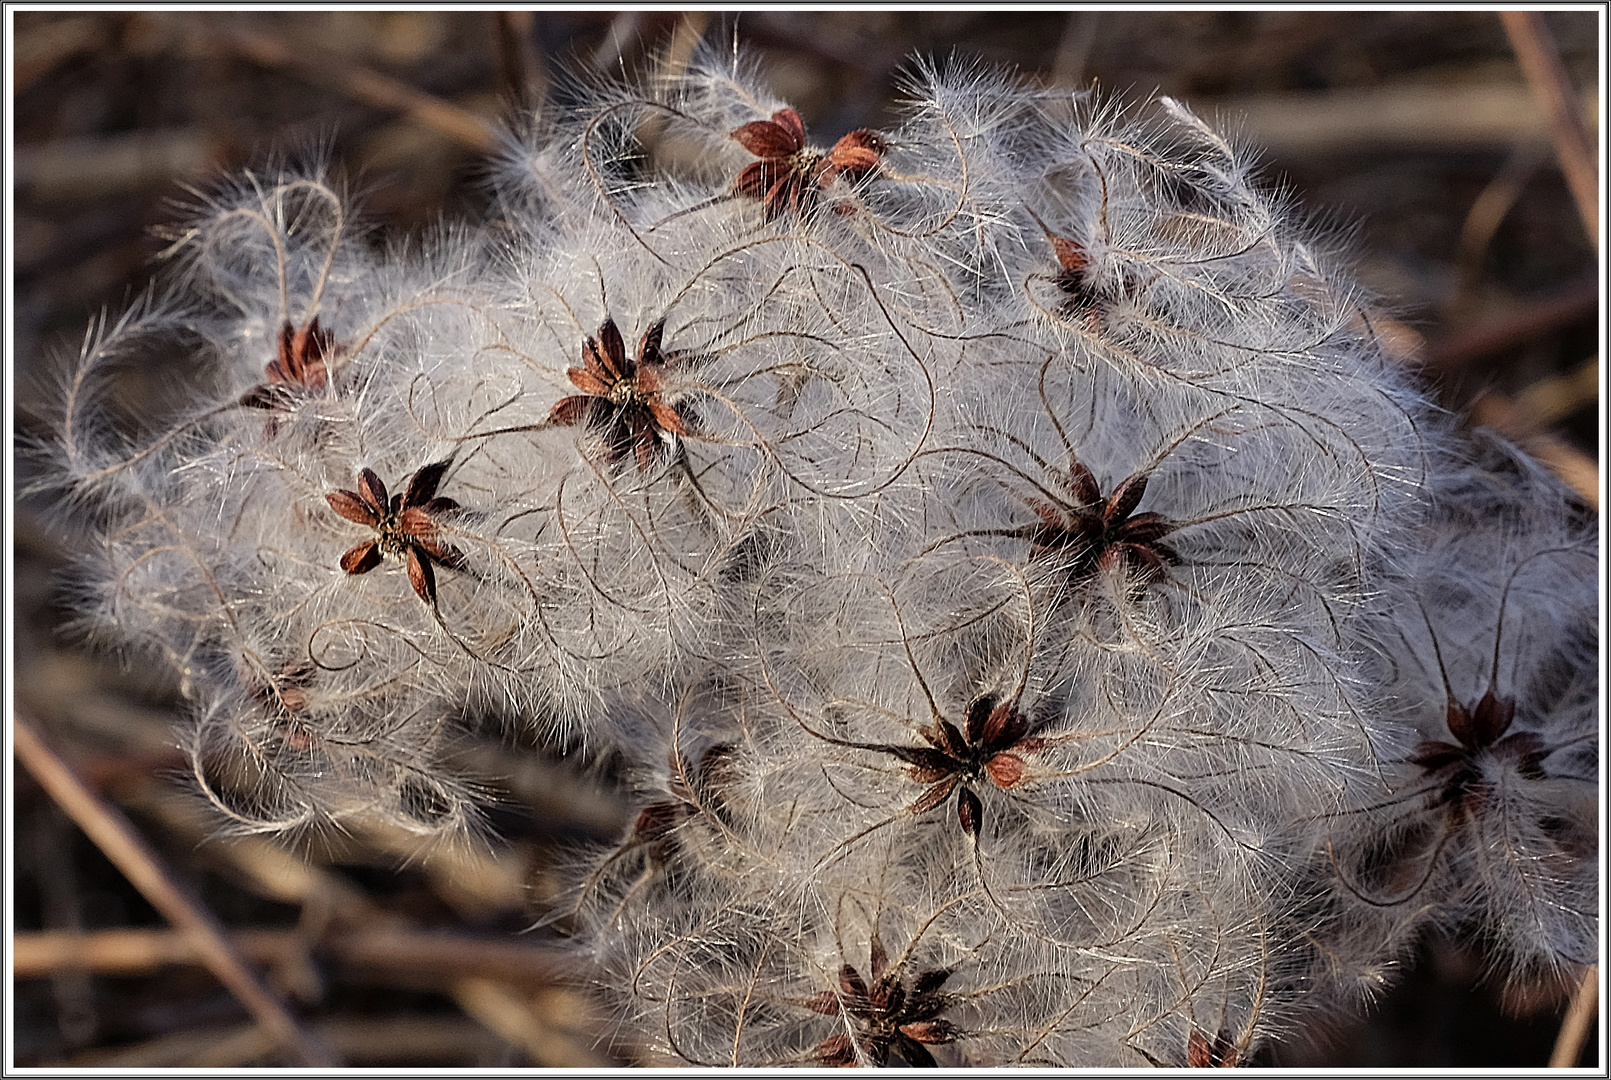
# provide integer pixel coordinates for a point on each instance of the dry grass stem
(1541, 63)
(1556, 398)
(110, 831)
(371, 88)
(518, 1019)
(418, 957)
(1448, 118)
(1527, 322)
(399, 1040)
(1579, 1021)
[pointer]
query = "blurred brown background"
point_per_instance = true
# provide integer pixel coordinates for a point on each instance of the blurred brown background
(1415, 138)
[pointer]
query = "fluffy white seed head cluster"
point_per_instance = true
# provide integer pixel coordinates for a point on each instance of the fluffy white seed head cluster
(1046, 628)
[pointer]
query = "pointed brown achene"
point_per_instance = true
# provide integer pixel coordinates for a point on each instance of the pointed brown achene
(789, 174)
(1086, 295)
(889, 1017)
(688, 789)
(405, 526)
(1221, 1053)
(622, 398)
(1073, 277)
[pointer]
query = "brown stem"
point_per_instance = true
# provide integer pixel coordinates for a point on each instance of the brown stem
(110, 831)
(429, 958)
(522, 76)
(1541, 63)
(1529, 321)
(518, 1019)
(403, 1039)
(369, 87)
(1579, 1021)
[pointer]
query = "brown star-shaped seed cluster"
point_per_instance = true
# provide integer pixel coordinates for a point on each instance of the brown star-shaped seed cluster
(890, 1018)
(300, 366)
(1481, 730)
(1096, 533)
(789, 174)
(623, 399)
(405, 526)
(989, 747)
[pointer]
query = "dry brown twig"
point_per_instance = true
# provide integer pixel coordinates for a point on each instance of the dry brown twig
(367, 86)
(1412, 116)
(684, 39)
(95, 167)
(1549, 400)
(110, 831)
(1488, 211)
(1527, 322)
(493, 980)
(432, 958)
(406, 1039)
(1074, 49)
(1579, 1021)
(522, 75)
(521, 1020)
(1541, 62)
